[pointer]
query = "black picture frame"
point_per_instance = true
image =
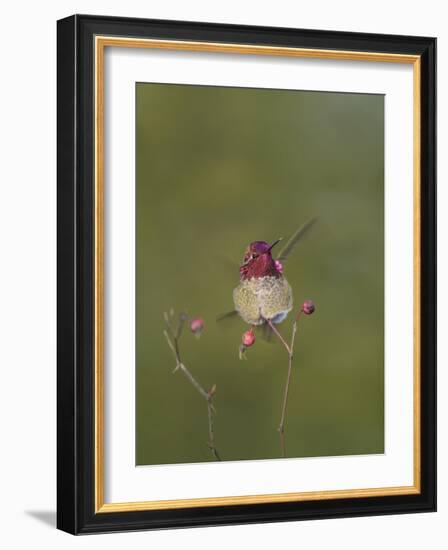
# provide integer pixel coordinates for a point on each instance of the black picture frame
(76, 264)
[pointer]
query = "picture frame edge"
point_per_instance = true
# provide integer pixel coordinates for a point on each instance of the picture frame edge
(75, 227)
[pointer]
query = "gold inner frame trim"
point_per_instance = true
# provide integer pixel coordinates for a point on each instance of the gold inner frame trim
(101, 42)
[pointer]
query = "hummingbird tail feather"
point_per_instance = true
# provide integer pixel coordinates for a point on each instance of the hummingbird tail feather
(266, 333)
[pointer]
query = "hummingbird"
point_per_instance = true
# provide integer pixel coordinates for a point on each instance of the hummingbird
(263, 294)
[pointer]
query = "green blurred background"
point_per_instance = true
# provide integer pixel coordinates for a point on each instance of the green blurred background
(218, 168)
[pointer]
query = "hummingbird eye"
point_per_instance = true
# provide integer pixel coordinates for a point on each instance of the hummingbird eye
(254, 256)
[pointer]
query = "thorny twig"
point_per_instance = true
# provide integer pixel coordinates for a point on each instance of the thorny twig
(173, 336)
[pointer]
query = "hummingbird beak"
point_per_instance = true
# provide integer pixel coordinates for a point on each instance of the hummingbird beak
(274, 243)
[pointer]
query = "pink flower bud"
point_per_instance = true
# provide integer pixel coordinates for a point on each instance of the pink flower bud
(248, 338)
(308, 307)
(197, 326)
(278, 266)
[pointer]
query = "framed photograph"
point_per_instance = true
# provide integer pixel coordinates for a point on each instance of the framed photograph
(246, 274)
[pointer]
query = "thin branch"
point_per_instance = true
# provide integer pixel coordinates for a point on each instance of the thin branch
(172, 336)
(211, 432)
(279, 336)
(290, 350)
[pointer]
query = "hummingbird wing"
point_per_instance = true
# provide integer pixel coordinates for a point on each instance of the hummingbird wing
(227, 316)
(294, 239)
